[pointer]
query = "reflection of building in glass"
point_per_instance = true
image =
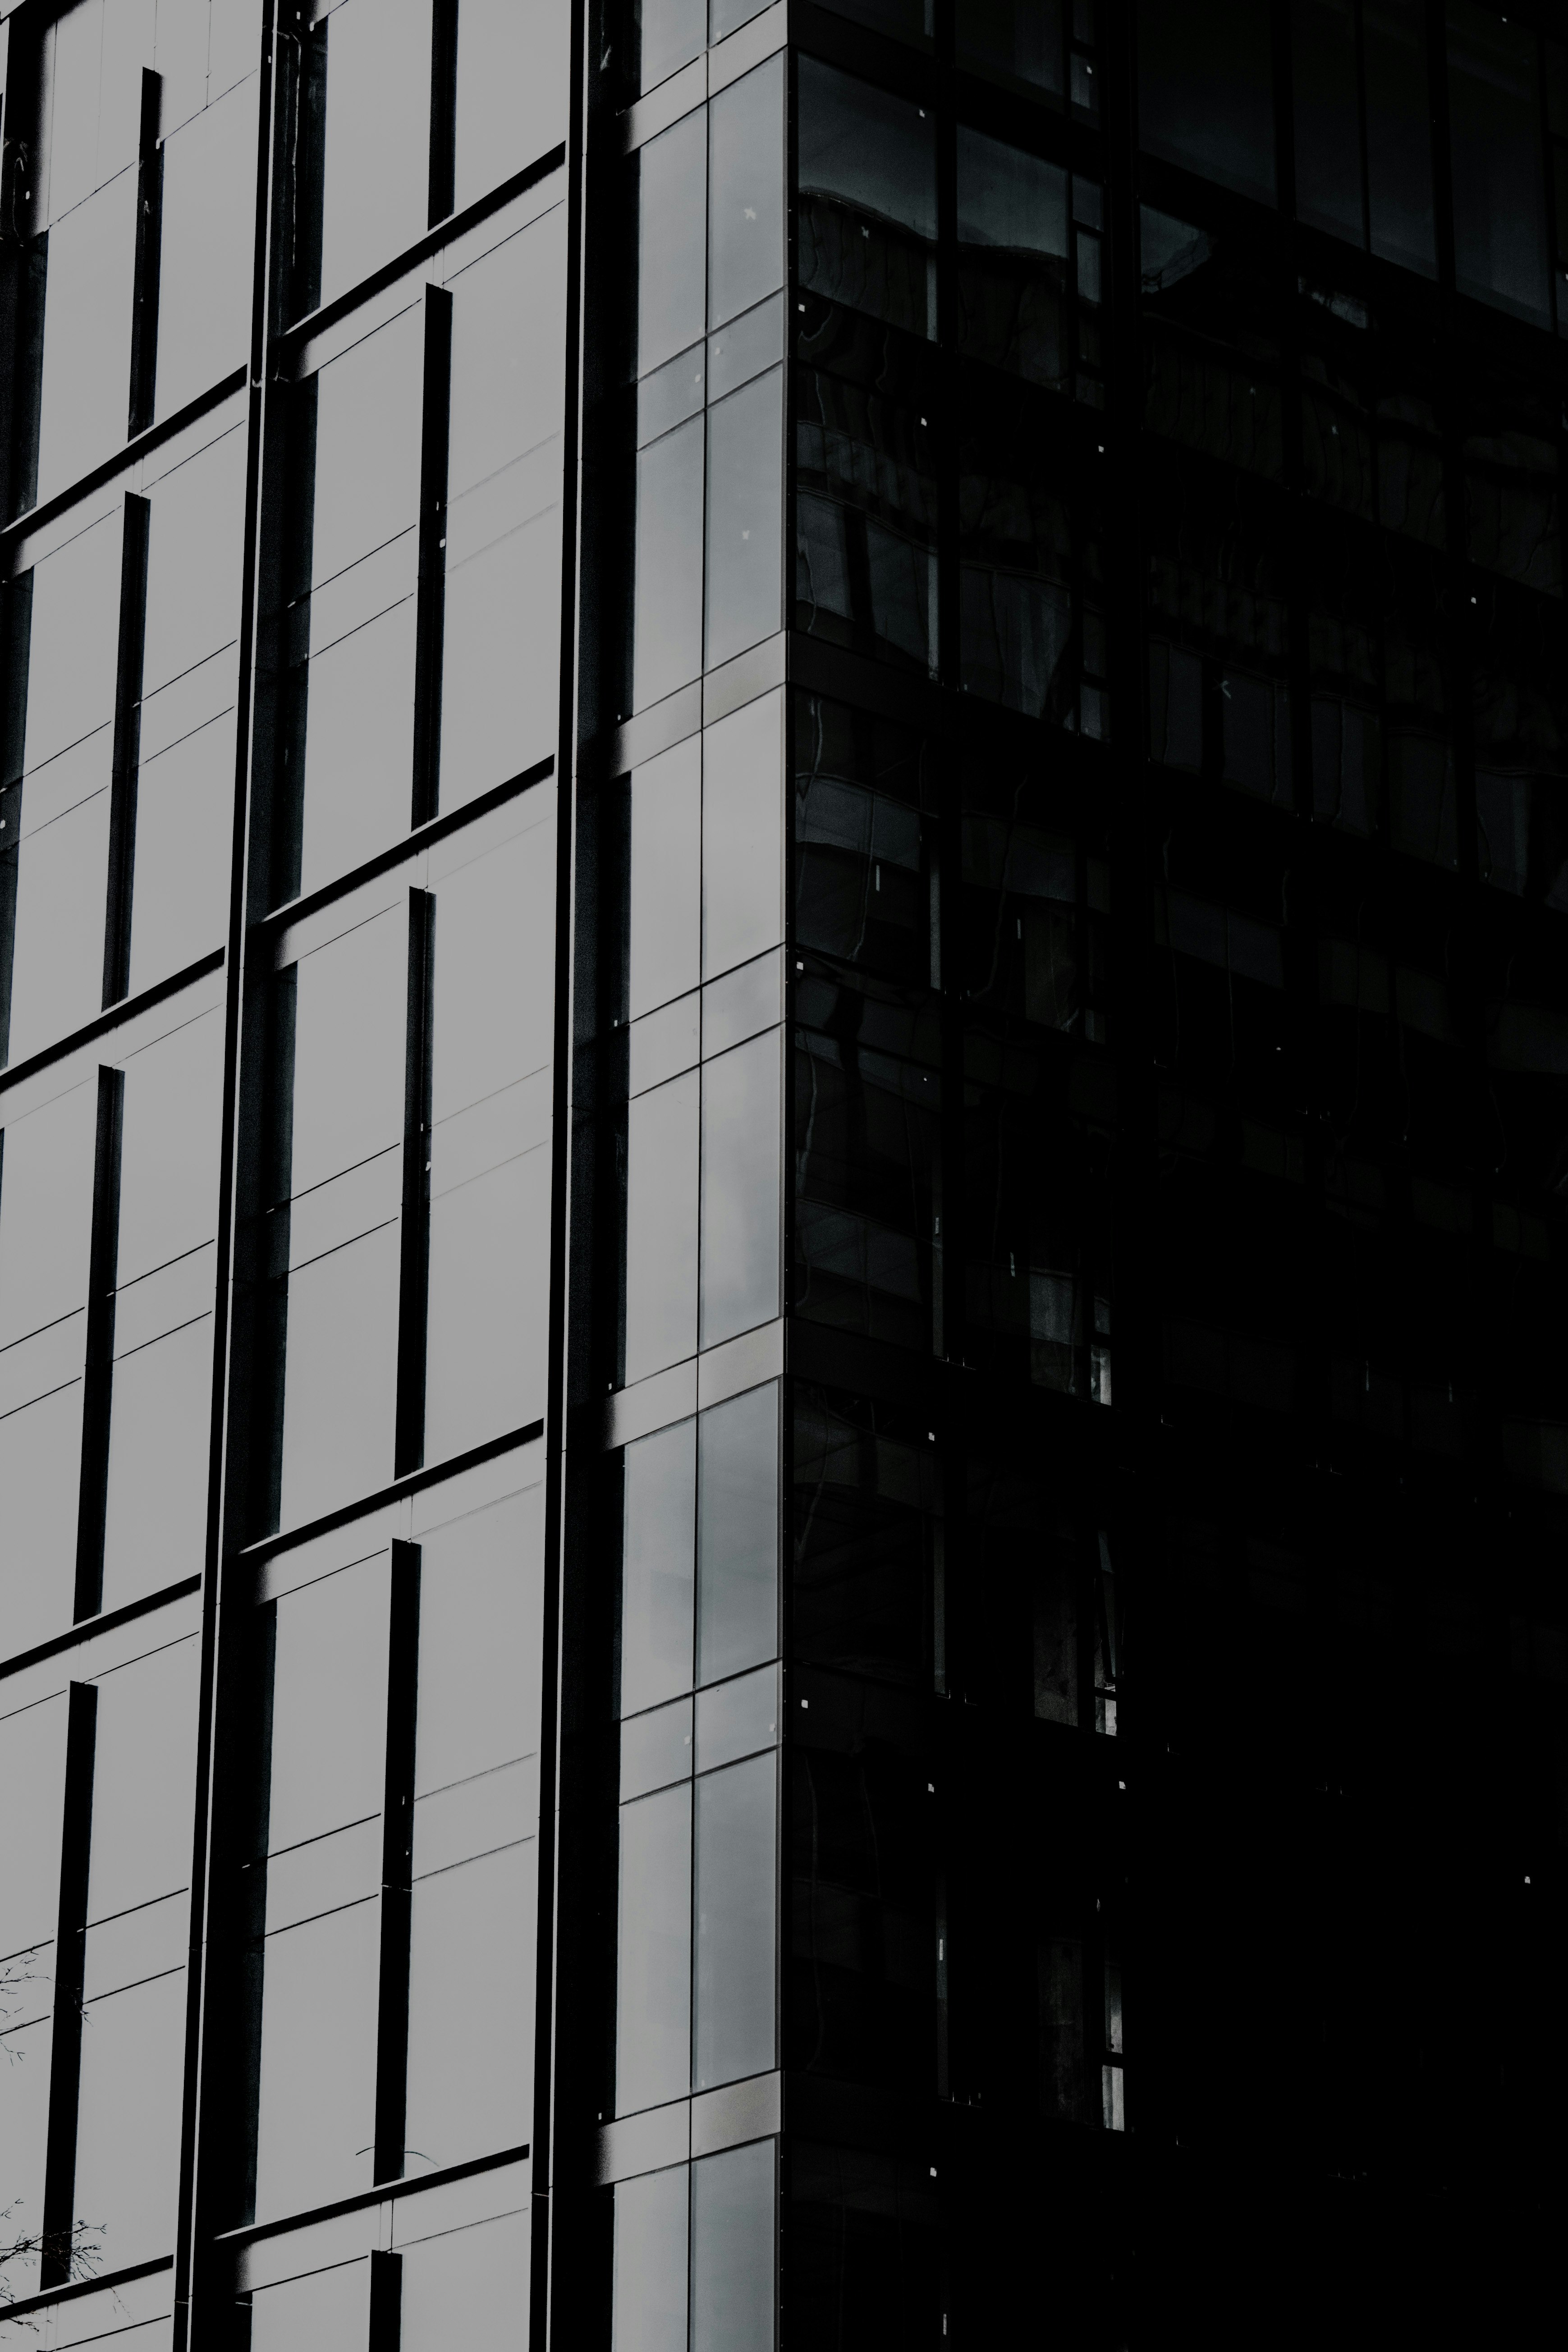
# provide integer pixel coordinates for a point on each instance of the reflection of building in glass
(782, 1124)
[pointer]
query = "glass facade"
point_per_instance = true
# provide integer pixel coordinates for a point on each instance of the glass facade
(783, 889)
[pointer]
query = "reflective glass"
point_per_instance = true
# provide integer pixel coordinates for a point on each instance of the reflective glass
(1328, 123)
(662, 1184)
(513, 62)
(745, 192)
(204, 272)
(329, 1705)
(316, 2124)
(658, 1567)
(144, 1784)
(653, 1944)
(376, 189)
(665, 943)
(671, 33)
(738, 1610)
(323, 2311)
(741, 1183)
(1206, 90)
(1020, 38)
(742, 834)
(461, 2283)
(470, 2008)
(666, 641)
(33, 1749)
(734, 2290)
(745, 516)
(733, 1986)
(1398, 133)
(868, 185)
(128, 2116)
(1013, 258)
(87, 335)
(651, 2261)
(501, 686)
(1500, 226)
(672, 248)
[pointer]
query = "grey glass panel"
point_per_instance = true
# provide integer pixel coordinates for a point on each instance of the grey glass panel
(184, 789)
(673, 244)
(1328, 123)
(1013, 260)
(231, 44)
(501, 685)
(745, 192)
(652, 1990)
(650, 2263)
(376, 190)
(745, 347)
(128, 2117)
(662, 1177)
(480, 1594)
(316, 2122)
(74, 633)
(733, 2293)
(470, 2009)
(204, 272)
(738, 1542)
(745, 517)
(489, 1159)
(665, 951)
(512, 61)
(672, 32)
(32, 1754)
(46, 1207)
(159, 1433)
(87, 335)
(181, 38)
(734, 1977)
(1499, 228)
(25, 2050)
(93, 61)
(462, 2285)
(666, 644)
(1398, 133)
(656, 1748)
(725, 17)
(658, 1566)
(329, 1703)
(143, 1782)
(339, 1399)
(1205, 93)
(868, 184)
(325, 2311)
(742, 834)
(40, 1456)
(741, 1188)
(737, 1719)
(364, 565)
(1008, 198)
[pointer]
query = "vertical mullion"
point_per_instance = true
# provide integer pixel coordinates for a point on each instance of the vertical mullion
(413, 1317)
(65, 2059)
(16, 636)
(396, 1865)
(148, 257)
(430, 623)
(127, 750)
(443, 109)
(385, 2300)
(97, 1380)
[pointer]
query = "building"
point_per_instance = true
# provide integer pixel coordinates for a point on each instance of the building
(785, 867)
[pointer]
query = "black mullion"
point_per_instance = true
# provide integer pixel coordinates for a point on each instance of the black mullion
(413, 1317)
(443, 109)
(16, 640)
(396, 1865)
(430, 624)
(70, 1936)
(148, 255)
(99, 1379)
(127, 750)
(299, 273)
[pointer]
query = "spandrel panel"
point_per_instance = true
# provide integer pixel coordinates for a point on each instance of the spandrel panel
(316, 2122)
(745, 192)
(375, 183)
(868, 186)
(741, 1184)
(205, 273)
(652, 1990)
(500, 701)
(745, 517)
(738, 1604)
(470, 2009)
(86, 392)
(329, 1703)
(665, 943)
(667, 628)
(481, 1597)
(128, 2117)
(651, 2261)
(359, 725)
(144, 1784)
(512, 63)
(742, 834)
(733, 2276)
(735, 1908)
(662, 1180)
(658, 1566)
(673, 242)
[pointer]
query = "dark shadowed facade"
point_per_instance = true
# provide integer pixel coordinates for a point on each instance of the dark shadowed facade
(783, 1129)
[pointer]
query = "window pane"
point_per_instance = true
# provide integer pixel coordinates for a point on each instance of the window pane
(745, 507)
(323, 2312)
(650, 2263)
(1206, 96)
(501, 704)
(667, 613)
(205, 273)
(512, 61)
(87, 335)
(672, 250)
(329, 1705)
(462, 2286)
(376, 189)
(737, 1619)
(662, 1178)
(470, 2008)
(657, 1567)
(868, 184)
(128, 2117)
(745, 192)
(317, 2120)
(143, 1786)
(1328, 117)
(653, 1988)
(1013, 258)
(742, 834)
(664, 947)
(1020, 38)
(1500, 231)
(735, 1912)
(741, 1188)
(1398, 133)
(733, 2293)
